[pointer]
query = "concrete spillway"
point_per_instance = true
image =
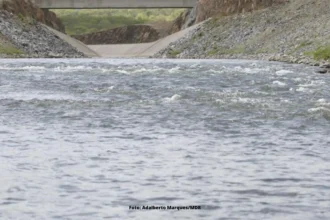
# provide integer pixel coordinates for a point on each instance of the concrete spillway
(125, 50)
(139, 50)
(88, 4)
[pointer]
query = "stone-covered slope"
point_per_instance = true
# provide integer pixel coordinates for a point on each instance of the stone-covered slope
(25, 37)
(208, 8)
(297, 31)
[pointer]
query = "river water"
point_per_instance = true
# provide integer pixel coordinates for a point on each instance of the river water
(87, 138)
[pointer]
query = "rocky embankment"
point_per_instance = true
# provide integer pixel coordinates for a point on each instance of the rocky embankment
(121, 35)
(297, 31)
(23, 36)
(209, 8)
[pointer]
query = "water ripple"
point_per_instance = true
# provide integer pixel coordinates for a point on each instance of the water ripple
(87, 138)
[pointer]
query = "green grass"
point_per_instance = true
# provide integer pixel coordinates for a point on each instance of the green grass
(9, 50)
(83, 21)
(261, 50)
(304, 44)
(301, 46)
(212, 52)
(235, 50)
(197, 36)
(214, 22)
(173, 53)
(321, 53)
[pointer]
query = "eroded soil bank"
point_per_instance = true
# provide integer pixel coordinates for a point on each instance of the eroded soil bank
(121, 35)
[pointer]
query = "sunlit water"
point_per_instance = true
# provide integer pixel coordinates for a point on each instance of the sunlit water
(85, 139)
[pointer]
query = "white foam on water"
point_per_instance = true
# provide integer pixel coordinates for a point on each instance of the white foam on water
(123, 72)
(250, 70)
(279, 83)
(298, 79)
(73, 113)
(136, 71)
(175, 97)
(103, 90)
(195, 65)
(246, 100)
(103, 70)
(30, 68)
(71, 68)
(217, 71)
(220, 101)
(322, 102)
(318, 109)
(174, 70)
(283, 72)
(303, 89)
(77, 68)
(141, 70)
(313, 83)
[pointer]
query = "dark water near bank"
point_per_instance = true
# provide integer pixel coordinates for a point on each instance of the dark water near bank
(84, 139)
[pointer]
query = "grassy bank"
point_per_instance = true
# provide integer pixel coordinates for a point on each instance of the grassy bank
(7, 49)
(321, 53)
(78, 22)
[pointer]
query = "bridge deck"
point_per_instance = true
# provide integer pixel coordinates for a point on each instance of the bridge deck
(96, 4)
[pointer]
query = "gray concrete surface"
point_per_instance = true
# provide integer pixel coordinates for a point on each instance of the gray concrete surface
(139, 50)
(53, 4)
(75, 43)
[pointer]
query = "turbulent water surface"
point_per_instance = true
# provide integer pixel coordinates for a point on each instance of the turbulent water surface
(86, 139)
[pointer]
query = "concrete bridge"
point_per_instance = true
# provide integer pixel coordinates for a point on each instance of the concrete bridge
(97, 4)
